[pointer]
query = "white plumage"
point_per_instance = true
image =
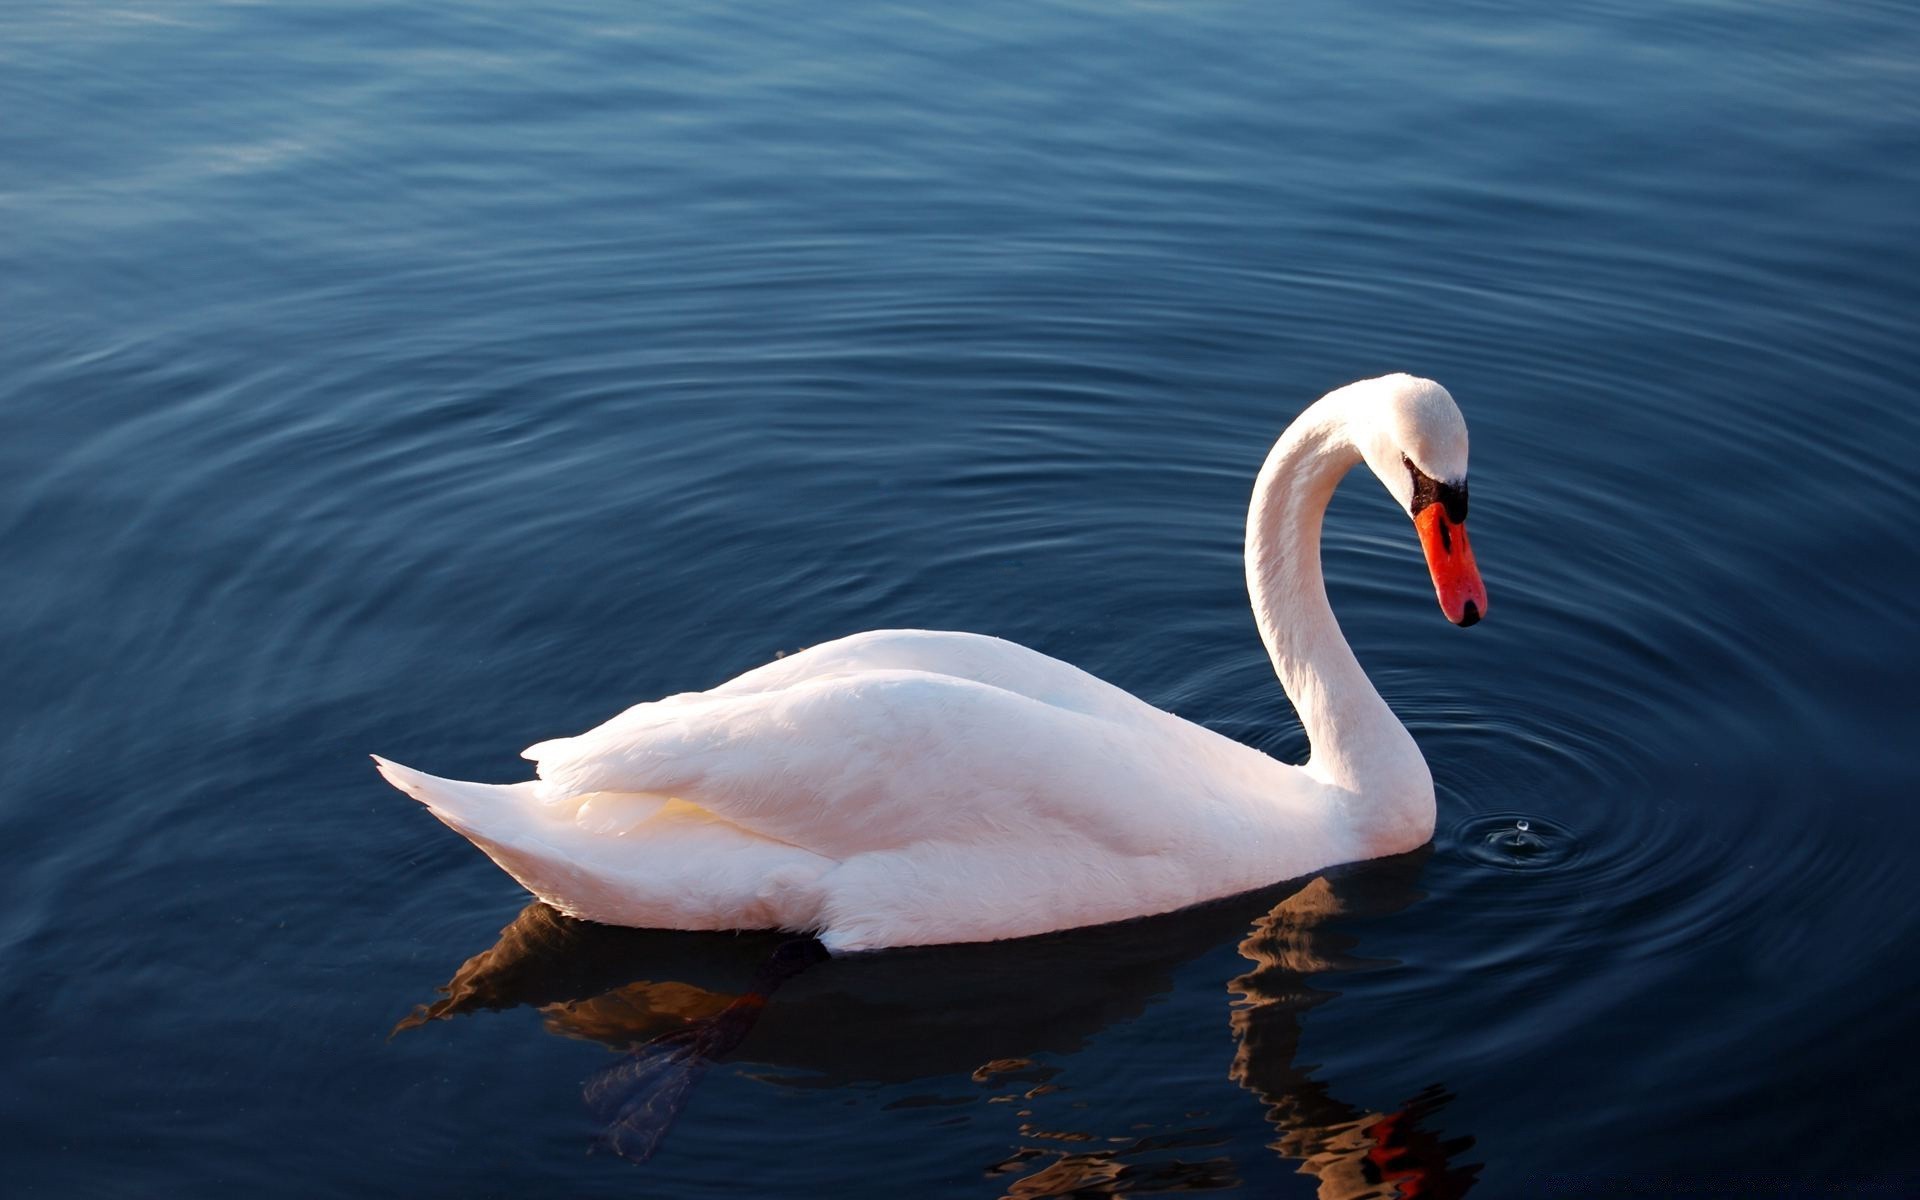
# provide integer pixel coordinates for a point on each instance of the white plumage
(905, 787)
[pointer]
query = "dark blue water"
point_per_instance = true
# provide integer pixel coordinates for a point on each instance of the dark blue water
(433, 379)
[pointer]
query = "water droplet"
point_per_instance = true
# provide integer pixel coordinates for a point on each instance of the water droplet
(1518, 843)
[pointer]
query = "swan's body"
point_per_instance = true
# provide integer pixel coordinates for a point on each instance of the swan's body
(905, 787)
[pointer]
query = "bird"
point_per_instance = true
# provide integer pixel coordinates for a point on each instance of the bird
(906, 787)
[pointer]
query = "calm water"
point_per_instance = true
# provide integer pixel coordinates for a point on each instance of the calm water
(432, 379)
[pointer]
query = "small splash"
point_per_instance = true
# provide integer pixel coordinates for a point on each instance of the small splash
(1516, 843)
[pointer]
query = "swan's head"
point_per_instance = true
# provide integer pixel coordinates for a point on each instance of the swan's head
(1412, 435)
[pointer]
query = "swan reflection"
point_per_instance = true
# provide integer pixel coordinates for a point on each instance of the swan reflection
(672, 1002)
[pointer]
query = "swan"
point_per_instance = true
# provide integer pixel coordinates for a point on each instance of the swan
(910, 787)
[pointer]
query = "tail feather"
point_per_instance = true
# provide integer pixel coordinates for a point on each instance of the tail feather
(573, 851)
(462, 804)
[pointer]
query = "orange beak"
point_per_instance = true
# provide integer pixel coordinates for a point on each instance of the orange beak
(1456, 580)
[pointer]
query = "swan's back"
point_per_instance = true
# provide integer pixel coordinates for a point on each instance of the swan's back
(993, 661)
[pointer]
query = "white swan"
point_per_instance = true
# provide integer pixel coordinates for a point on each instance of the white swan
(905, 787)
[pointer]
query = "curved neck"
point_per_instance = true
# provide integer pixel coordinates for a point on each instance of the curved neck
(1357, 743)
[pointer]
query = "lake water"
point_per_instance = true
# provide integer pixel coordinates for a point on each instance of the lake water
(433, 379)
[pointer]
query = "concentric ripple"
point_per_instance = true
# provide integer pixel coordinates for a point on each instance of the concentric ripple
(1516, 842)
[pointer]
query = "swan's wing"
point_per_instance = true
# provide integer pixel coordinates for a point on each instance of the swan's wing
(873, 760)
(844, 663)
(990, 660)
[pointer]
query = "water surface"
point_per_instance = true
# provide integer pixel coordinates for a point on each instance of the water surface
(431, 380)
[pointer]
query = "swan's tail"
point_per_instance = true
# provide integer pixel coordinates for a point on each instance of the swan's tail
(557, 847)
(465, 806)
(687, 870)
(506, 821)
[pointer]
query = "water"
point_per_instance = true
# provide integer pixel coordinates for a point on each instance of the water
(432, 379)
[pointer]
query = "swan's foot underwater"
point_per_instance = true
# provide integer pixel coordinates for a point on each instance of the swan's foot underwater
(639, 1096)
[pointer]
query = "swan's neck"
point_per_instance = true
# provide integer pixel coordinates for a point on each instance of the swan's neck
(1358, 745)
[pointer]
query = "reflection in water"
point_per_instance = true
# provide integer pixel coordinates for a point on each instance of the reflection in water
(638, 1098)
(675, 1001)
(1353, 1153)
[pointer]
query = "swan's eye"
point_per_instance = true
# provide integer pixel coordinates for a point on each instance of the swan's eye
(1451, 497)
